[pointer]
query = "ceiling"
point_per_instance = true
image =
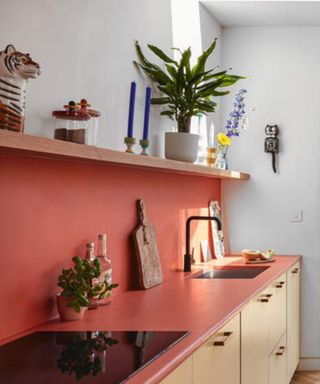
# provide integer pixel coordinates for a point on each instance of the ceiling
(264, 13)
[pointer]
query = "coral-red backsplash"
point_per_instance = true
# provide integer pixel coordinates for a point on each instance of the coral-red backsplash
(50, 208)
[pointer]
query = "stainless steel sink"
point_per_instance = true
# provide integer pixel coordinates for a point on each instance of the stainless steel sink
(231, 273)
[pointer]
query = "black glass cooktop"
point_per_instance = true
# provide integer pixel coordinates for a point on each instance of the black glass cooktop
(85, 357)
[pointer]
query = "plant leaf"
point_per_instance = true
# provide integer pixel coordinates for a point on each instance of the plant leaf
(157, 51)
(160, 100)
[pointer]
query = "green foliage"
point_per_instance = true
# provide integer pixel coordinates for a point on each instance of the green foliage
(77, 284)
(187, 91)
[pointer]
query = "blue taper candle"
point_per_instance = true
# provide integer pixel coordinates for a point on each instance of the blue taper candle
(146, 113)
(131, 108)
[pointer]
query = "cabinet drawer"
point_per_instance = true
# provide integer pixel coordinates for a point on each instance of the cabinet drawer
(218, 360)
(181, 375)
(278, 363)
(277, 310)
(293, 319)
(254, 340)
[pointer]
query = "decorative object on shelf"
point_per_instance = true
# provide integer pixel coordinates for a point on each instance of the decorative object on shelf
(223, 144)
(72, 123)
(271, 144)
(237, 122)
(130, 140)
(217, 235)
(146, 248)
(85, 357)
(203, 140)
(144, 142)
(144, 145)
(187, 91)
(146, 114)
(16, 68)
(211, 156)
(181, 146)
(92, 129)
(78, 288)
(211, 150)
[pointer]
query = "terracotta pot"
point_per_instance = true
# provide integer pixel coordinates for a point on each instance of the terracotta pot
(181, 146)
(67, 313)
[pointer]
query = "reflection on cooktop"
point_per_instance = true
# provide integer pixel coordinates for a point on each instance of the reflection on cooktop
(85, 357)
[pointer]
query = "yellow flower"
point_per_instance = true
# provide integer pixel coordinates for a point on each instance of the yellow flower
(223, 139)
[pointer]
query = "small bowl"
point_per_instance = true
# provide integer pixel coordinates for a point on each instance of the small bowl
(251, 254)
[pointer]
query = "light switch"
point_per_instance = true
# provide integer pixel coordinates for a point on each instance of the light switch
(297, 216)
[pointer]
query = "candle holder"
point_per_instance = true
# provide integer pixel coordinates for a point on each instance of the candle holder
(144, 143)
(211, 158)
(129, 142)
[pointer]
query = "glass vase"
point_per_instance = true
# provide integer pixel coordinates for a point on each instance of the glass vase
(221, 160)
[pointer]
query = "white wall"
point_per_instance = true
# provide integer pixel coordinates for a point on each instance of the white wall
(285, 91)
(85, 49)
(211, 29)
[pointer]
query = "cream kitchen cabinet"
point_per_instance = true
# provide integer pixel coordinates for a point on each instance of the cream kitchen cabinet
(259, 345)
(181, 375)
(277, 314)
(293, 319)
(254, 340)
(263, 336)
(218, 359)
(277, 362)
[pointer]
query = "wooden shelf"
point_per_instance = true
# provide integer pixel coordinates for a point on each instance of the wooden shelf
(17, 143)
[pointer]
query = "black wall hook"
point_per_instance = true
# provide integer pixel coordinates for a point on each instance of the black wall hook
(271, 144)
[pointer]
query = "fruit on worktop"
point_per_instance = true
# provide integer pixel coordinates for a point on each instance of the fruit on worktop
(266, 255)
(251, 254)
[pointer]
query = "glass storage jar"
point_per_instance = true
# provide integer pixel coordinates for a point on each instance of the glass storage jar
(71, 124)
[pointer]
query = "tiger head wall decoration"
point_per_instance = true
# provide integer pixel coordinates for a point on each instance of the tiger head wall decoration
(16, 68)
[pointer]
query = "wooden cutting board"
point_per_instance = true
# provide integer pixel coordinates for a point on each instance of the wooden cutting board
(146, 248)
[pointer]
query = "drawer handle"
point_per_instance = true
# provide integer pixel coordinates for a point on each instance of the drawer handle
(266, 298)
(281, 351)
(280, 284)
(223, 339)
(296, 270)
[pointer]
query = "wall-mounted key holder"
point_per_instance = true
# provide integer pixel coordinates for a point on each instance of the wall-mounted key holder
(271, 144)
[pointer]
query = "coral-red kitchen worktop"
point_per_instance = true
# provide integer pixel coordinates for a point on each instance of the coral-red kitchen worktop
(199, 306)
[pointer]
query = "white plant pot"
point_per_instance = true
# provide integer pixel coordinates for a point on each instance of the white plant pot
(181, 146)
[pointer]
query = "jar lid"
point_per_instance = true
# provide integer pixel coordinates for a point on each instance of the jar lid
(84, 106)
(72, 112)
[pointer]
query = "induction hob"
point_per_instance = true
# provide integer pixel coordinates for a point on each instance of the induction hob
(82, 357)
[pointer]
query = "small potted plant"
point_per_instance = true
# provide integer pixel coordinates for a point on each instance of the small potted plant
(187, 91)
(79, 290)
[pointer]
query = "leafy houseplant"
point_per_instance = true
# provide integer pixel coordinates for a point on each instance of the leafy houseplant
(78, 288)
(187, 90)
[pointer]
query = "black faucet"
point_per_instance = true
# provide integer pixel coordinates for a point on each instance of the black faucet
(187, 256)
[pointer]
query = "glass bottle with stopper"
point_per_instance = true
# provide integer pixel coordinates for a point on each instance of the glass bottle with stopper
(106, 267)
(90, 255)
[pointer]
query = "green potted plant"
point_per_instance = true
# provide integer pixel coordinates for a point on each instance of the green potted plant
(79, 289)
(186, 91)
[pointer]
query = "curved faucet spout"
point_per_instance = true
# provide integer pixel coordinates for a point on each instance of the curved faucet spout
(187, 256)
